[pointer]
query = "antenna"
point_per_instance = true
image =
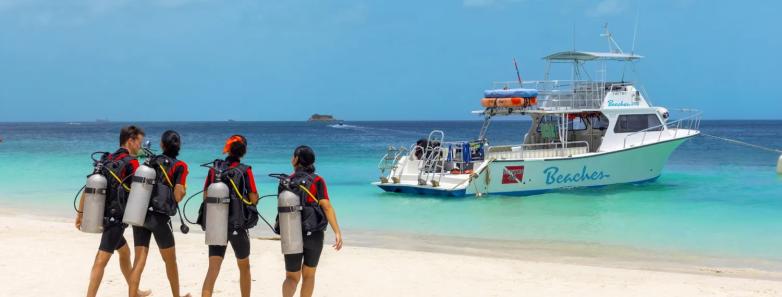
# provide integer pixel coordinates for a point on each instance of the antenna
(612, 45)
(518, 76)
(635, 30)
(574, 37)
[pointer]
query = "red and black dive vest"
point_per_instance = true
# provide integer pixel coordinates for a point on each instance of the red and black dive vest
(241, 215)
(115, 171)
(162, 200)
(312, 217)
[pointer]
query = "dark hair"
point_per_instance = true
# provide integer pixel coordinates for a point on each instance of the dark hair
(306, 158)
(238, 148)
(129, 132)
(171, 143)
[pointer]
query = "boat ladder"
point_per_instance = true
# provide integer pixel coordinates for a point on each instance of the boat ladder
(389, 163)
(432, 158)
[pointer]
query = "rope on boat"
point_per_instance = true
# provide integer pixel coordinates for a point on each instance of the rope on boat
(744, 143)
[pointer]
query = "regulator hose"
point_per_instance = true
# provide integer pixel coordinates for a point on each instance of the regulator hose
(261, 216)
(182, 226)
(183, 213)
(76, 208)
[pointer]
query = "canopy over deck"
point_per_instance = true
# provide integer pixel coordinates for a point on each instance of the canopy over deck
(590, 56)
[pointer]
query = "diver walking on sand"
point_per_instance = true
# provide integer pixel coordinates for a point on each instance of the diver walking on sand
(237, 180)
(168, 191)
(116, 168)
(316, 213)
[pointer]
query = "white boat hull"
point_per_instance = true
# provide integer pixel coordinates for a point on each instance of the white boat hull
(525, 177)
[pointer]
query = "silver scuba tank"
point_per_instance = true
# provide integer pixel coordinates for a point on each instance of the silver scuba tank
(94, 204)
(140, 192)
(217, 202)
(289, 208)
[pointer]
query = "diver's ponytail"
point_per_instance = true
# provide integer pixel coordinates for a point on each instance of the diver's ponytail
(306, 157)
(236, 146)
(171, 143)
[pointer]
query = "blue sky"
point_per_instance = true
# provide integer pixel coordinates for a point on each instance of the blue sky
(363, 60)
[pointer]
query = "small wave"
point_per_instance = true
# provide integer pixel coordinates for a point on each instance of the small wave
(344, 126)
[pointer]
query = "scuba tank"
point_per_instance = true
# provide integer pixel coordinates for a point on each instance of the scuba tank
(140, 192)
(289, 217)
(94, 199)
(216, 211)
(94, 203)
(289, 208)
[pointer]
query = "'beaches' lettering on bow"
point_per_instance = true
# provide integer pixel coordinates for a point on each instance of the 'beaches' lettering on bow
(554, 177)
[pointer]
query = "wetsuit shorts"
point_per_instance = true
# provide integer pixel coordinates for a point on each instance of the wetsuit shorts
(240, 242)
(313, 246)
(112, 238)
(158, 225)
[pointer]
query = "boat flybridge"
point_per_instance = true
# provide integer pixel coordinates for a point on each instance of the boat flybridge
(583, 133)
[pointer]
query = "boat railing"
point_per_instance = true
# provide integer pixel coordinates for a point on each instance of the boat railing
(668, 130)
(538, 150)
(566, 94)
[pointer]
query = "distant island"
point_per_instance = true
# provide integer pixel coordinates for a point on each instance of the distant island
(322, 118)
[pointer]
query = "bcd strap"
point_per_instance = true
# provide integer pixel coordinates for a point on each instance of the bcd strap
(218, 200)
(283, 209)
(94, 191)
(141, 179)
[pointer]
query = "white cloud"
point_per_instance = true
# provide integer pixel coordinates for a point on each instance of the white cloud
(608, 7)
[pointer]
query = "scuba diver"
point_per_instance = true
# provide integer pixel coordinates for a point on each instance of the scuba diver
(168, 191)
(317, 203)
(242, 213)
(120, 165)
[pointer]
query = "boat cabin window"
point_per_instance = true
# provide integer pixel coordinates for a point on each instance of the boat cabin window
(598, 122)
(637, 122)
(576, 123)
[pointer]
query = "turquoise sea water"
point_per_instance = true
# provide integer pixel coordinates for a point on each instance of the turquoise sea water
(712, 198)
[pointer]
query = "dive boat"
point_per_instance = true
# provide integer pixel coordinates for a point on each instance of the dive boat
(584, 133)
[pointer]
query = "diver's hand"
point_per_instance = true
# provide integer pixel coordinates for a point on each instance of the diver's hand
(78, 222)
(338, 241)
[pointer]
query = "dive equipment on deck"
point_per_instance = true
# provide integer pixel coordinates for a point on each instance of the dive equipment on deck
(508, 102)
(510, 93)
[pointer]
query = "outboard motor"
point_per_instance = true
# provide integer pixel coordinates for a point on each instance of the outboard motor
(289, 218)
(216, 211)
(140, 192)
(94, 201)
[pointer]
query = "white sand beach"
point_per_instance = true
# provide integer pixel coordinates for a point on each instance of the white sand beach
(49, 257)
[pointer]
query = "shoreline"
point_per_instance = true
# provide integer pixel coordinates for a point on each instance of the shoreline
(575, 253)
(36, 249)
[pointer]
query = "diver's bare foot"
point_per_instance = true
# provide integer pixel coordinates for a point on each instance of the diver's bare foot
(144, 293)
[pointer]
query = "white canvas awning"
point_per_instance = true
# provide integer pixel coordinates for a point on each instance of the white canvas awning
(590, 56)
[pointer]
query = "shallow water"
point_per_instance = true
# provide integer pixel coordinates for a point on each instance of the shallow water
(712, 198)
